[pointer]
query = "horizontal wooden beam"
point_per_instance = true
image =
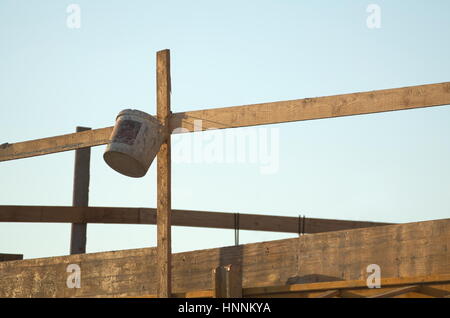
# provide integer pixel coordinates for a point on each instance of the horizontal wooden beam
(433, 292)
(409, 254)
(348, 284)
(218, 220)
(10, 257)
(252, 115)
(329, 294)
(55, 144)
(315, 108)
(396, 292)
(337, 288)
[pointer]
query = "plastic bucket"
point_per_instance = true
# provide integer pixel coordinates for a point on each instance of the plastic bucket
(135, 141)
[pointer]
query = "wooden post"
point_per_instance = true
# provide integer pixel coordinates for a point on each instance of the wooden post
(10, 257)
(163, 176)
(80, 196)
(227, 282)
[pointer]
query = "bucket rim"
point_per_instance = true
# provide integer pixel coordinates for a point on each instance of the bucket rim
(136, 112)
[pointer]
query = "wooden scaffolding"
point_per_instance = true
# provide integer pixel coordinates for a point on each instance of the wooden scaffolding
(332, 262)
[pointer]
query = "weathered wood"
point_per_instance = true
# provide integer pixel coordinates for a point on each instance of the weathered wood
(44, 146)
(396, 292)
(192, 294)
(433, 292)
(218, 220)
(10, 257)
(80, 196)
(414, 249)
(431, 286)
(347, 285)
(227, 282)
(276, 263)
(315, 108)
(134, 272)
(164, 239)
(257, 114)
(329, 294)
(221, 282)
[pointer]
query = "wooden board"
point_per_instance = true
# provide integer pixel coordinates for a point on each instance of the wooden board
(10, 257)
(163, 171)
(218, 220)
(315, 108)
(391, 282)
(252, 115)
(44, 146)
(134, 272)
(413, 249)
(78, 235)
(227, 282)
(329, 256)
(428, 286)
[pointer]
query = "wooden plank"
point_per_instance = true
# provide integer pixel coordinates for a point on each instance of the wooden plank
(10, 257)
(44, 146)
(275, 263)
(345, 285)
(329, 294)
(349, 292)
(190, 218)
(414, 249)
(315, 108)
(134, 272)
(396, 292)
(196, 294)
(164, 176)
(80, 196)
(220, 282)
(251, 115)
(314, 225)
(433, 292)
(227, 282)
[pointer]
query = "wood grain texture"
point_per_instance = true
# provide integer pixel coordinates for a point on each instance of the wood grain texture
(78, 235)
(396, 292)
(433, 291)
(264, 265)
(329, 294)
(163, 220)
(135, 272)
(413, 249)
(429, 286)
(44, 146)
(10, 257)
(227, 282)
(390, 283)
(257, 114)
(315, 108)
(190, 218)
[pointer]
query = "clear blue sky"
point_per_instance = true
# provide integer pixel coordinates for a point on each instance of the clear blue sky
(391, 167)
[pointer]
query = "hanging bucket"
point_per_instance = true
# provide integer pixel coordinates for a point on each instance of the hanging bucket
(135, 141)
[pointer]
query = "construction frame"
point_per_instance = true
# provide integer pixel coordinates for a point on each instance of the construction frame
(329, 262)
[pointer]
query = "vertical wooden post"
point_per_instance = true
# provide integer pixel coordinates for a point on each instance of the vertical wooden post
(80, 196)
(227, 282)
(164, 239)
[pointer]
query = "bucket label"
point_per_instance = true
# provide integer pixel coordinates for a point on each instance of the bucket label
(127, 132)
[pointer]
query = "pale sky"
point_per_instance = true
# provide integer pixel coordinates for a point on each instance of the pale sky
(391, 167)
